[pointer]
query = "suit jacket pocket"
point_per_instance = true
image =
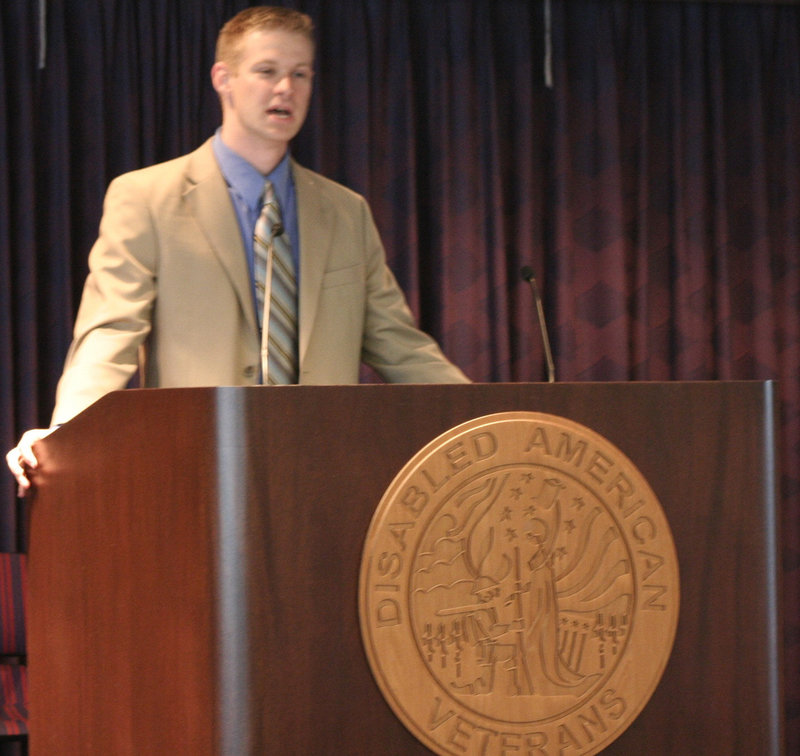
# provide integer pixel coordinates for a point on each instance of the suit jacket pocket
(352, 274)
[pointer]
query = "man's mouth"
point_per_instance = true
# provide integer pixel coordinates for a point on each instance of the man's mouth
(280, 112)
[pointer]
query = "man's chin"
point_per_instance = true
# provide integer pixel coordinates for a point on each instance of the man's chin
(281, 133)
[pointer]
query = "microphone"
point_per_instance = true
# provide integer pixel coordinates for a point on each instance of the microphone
(275, 232)
(527, 275)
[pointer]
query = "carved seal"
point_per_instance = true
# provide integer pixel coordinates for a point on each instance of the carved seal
(519, 589)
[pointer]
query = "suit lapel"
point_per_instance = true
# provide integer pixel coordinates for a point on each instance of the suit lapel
(315, 228)
(209, 202)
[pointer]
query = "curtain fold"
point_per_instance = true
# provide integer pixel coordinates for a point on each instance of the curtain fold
(654, 190)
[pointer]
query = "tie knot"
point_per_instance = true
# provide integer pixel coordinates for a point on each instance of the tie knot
(271, 212)
(268, 196)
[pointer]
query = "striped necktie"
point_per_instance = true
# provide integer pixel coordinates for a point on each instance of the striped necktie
(275, 279)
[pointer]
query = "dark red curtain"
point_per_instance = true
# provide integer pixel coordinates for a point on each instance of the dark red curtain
(654, 188)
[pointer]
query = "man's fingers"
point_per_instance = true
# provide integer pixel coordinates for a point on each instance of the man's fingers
(21, 458)
(16, 463)
(25, 446)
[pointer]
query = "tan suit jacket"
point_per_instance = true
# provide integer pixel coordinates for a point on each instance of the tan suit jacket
(169, 270)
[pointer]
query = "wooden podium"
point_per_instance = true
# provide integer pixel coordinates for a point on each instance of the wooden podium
(195, 553)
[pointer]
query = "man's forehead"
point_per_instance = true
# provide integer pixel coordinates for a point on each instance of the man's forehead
(277, 40)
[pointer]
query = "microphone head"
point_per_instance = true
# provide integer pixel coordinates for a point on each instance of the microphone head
(277, 229)
(527, 273)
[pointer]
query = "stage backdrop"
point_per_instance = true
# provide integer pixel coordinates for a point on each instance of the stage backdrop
(642, 157)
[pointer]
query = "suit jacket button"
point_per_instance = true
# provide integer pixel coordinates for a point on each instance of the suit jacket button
(250, 371)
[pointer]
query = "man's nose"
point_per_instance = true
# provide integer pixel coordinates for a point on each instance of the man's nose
(284, 84)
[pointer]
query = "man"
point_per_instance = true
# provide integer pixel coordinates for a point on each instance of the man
(173, 265)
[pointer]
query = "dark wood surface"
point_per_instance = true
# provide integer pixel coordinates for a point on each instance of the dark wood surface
(195, 553)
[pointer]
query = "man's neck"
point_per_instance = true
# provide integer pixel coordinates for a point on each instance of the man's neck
(264, 156)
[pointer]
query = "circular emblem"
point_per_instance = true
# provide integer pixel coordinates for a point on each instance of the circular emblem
(519, 589)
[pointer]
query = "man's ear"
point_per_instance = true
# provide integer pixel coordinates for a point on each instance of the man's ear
(220, 78)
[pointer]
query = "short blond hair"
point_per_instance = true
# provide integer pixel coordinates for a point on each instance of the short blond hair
(259, 18)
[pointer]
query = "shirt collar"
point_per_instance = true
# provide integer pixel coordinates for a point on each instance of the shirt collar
(245, 179)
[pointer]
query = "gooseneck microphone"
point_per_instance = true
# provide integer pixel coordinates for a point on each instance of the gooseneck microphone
(275, 231)
(527, 275)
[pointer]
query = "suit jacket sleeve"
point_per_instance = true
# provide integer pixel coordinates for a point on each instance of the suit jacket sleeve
(393, 344)
(115, 311)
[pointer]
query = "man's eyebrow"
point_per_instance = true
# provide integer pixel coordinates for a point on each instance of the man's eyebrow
(273, 62)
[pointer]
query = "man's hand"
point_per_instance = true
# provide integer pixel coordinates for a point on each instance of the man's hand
(21, 459)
